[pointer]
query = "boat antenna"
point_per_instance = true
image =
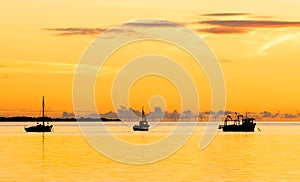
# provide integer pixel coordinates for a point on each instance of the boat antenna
(43, 108)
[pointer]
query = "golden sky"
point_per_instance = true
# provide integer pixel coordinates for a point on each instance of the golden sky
(256, 42)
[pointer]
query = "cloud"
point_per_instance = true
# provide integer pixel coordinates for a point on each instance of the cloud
(71, 31)
(223, 30)
(152, 24)
(27, 66)
(238, 26)
(76, 31)
(226, 14)
(252, 23)
(14, 66)
(274, 42)
(235, 26)
(87, 31)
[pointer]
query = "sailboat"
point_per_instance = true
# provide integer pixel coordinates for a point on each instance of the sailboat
(143, 124)
(40, 127)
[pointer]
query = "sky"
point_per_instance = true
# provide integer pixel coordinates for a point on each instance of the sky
(256, 42)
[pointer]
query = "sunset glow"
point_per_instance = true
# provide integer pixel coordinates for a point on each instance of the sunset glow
(258, 48)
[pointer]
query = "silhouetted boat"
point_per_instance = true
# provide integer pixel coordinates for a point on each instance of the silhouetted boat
(238, 124)
(40, 127)
(143, 124)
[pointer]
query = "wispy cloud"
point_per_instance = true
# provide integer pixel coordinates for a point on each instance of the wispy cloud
(238, 26)
(215, 26)
(76, 31)
(27, 66)
(226, 14)
(274, 42)
(126, 28)
(14, 66)
(223, 30)
(153, 23)
(70, 31)
(252, 23)
(86, 31)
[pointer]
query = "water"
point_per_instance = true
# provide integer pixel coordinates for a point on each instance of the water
(65, 155)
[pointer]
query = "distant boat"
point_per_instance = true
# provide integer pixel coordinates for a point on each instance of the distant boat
(143, 124)
(238, 125)
(40, 127)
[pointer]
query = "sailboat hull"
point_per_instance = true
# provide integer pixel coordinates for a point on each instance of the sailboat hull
(39, 128)
(140, 128)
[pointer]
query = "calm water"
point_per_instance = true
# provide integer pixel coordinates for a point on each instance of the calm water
(64, 155)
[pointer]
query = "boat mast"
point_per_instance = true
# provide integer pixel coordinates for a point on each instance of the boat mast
(43, 111)
(143, 114)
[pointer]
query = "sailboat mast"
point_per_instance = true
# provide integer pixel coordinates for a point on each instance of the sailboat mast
(43, 111)
(143, 114)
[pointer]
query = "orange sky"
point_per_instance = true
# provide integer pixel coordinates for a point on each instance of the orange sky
(256, 42)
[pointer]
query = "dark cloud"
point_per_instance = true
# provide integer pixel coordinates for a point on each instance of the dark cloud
(241, 26)
(152, 24)
(252, 23)
(223, 30)
(87, 31)
(96, 31)
(76, 31)
(124, 29)
(225, 14)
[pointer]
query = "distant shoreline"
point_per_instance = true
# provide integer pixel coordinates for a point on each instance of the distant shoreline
(38, 119)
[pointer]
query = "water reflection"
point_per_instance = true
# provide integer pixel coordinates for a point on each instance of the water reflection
(270, 155)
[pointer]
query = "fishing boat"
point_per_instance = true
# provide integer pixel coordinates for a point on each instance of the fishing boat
(143, 124)
(40, 127)
(239, 124)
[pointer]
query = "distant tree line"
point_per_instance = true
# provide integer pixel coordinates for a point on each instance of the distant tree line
(37, 119)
